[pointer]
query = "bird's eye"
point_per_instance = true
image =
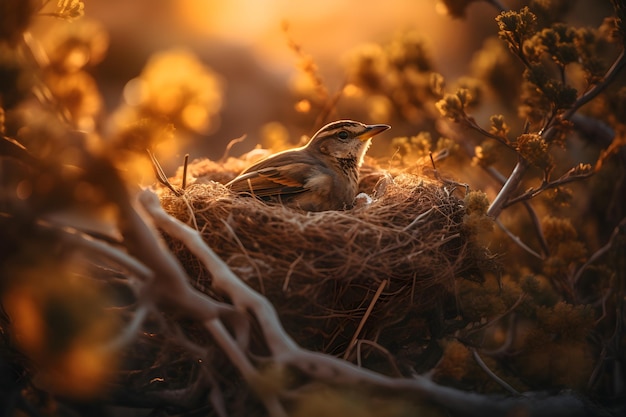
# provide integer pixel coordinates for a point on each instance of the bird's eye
(342, 135)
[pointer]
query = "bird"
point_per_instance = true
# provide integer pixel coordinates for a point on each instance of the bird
(319, 176)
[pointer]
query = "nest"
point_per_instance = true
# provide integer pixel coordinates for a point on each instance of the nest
(374, 273)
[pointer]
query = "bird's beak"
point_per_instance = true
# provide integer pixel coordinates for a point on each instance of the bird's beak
(371, 131)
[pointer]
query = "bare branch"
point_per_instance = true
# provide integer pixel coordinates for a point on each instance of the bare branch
(518, 241)
(131, 331)
(600, 252)
(498, 5)
(243, 297)
(491, 374)
(510, 186)
(566, 178)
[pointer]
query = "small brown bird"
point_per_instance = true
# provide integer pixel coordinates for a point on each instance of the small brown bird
(322, 175)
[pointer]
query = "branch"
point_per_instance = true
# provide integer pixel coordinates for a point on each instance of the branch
(502, 199)
(497, 4)
(471, 123)
(518, 241)
(608, 78)
(569, 176)
(510, 186)
(170, 286)
(240, 360)
(600, 252)
(491, 374)
(242, 296)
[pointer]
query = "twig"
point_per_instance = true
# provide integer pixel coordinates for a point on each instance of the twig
(498, 317)
(242, 296)
(471, 123)
(509, 187)
(538, 231)
(185, 166)
(379, 291)
(380, 348)
(498, 5)
(599, 253)
(240, 360)
(608, 78)
(230, 146)
(170, 286)
(546, 185)
(130, 331)
(491, 374)
(512, 329)
(77, 238)
(497, 175)
(529, 208)
(290, 272)
(417, 219)
(518, 241)
(161, 176)
(445, 180)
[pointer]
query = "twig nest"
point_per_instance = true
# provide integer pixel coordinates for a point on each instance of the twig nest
(395, 256)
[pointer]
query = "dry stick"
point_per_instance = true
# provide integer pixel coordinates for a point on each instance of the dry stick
(510, 339)
(529, 208)
(192, 212)
(290, 272)
(380, 348)
(417, 219)
(498, 317)
(597, 254)
(545, 185)
(491, 374)
(160, 174)
(169, 286)
(379, 291)
(509, 187)
(518, 240)
(229, 147)
(75, 237)
(242, 296)
(131, 330)
(185, 166)
(240, 360)
(498, 5)
(336, 371)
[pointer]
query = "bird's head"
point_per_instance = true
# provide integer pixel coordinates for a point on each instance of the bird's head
(345, 139)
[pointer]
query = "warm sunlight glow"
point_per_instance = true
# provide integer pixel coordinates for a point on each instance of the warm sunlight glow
(325, 28)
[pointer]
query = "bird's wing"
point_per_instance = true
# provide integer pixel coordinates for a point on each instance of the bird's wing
(284, 180)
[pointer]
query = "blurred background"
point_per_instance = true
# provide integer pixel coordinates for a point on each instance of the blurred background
(258, 79)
